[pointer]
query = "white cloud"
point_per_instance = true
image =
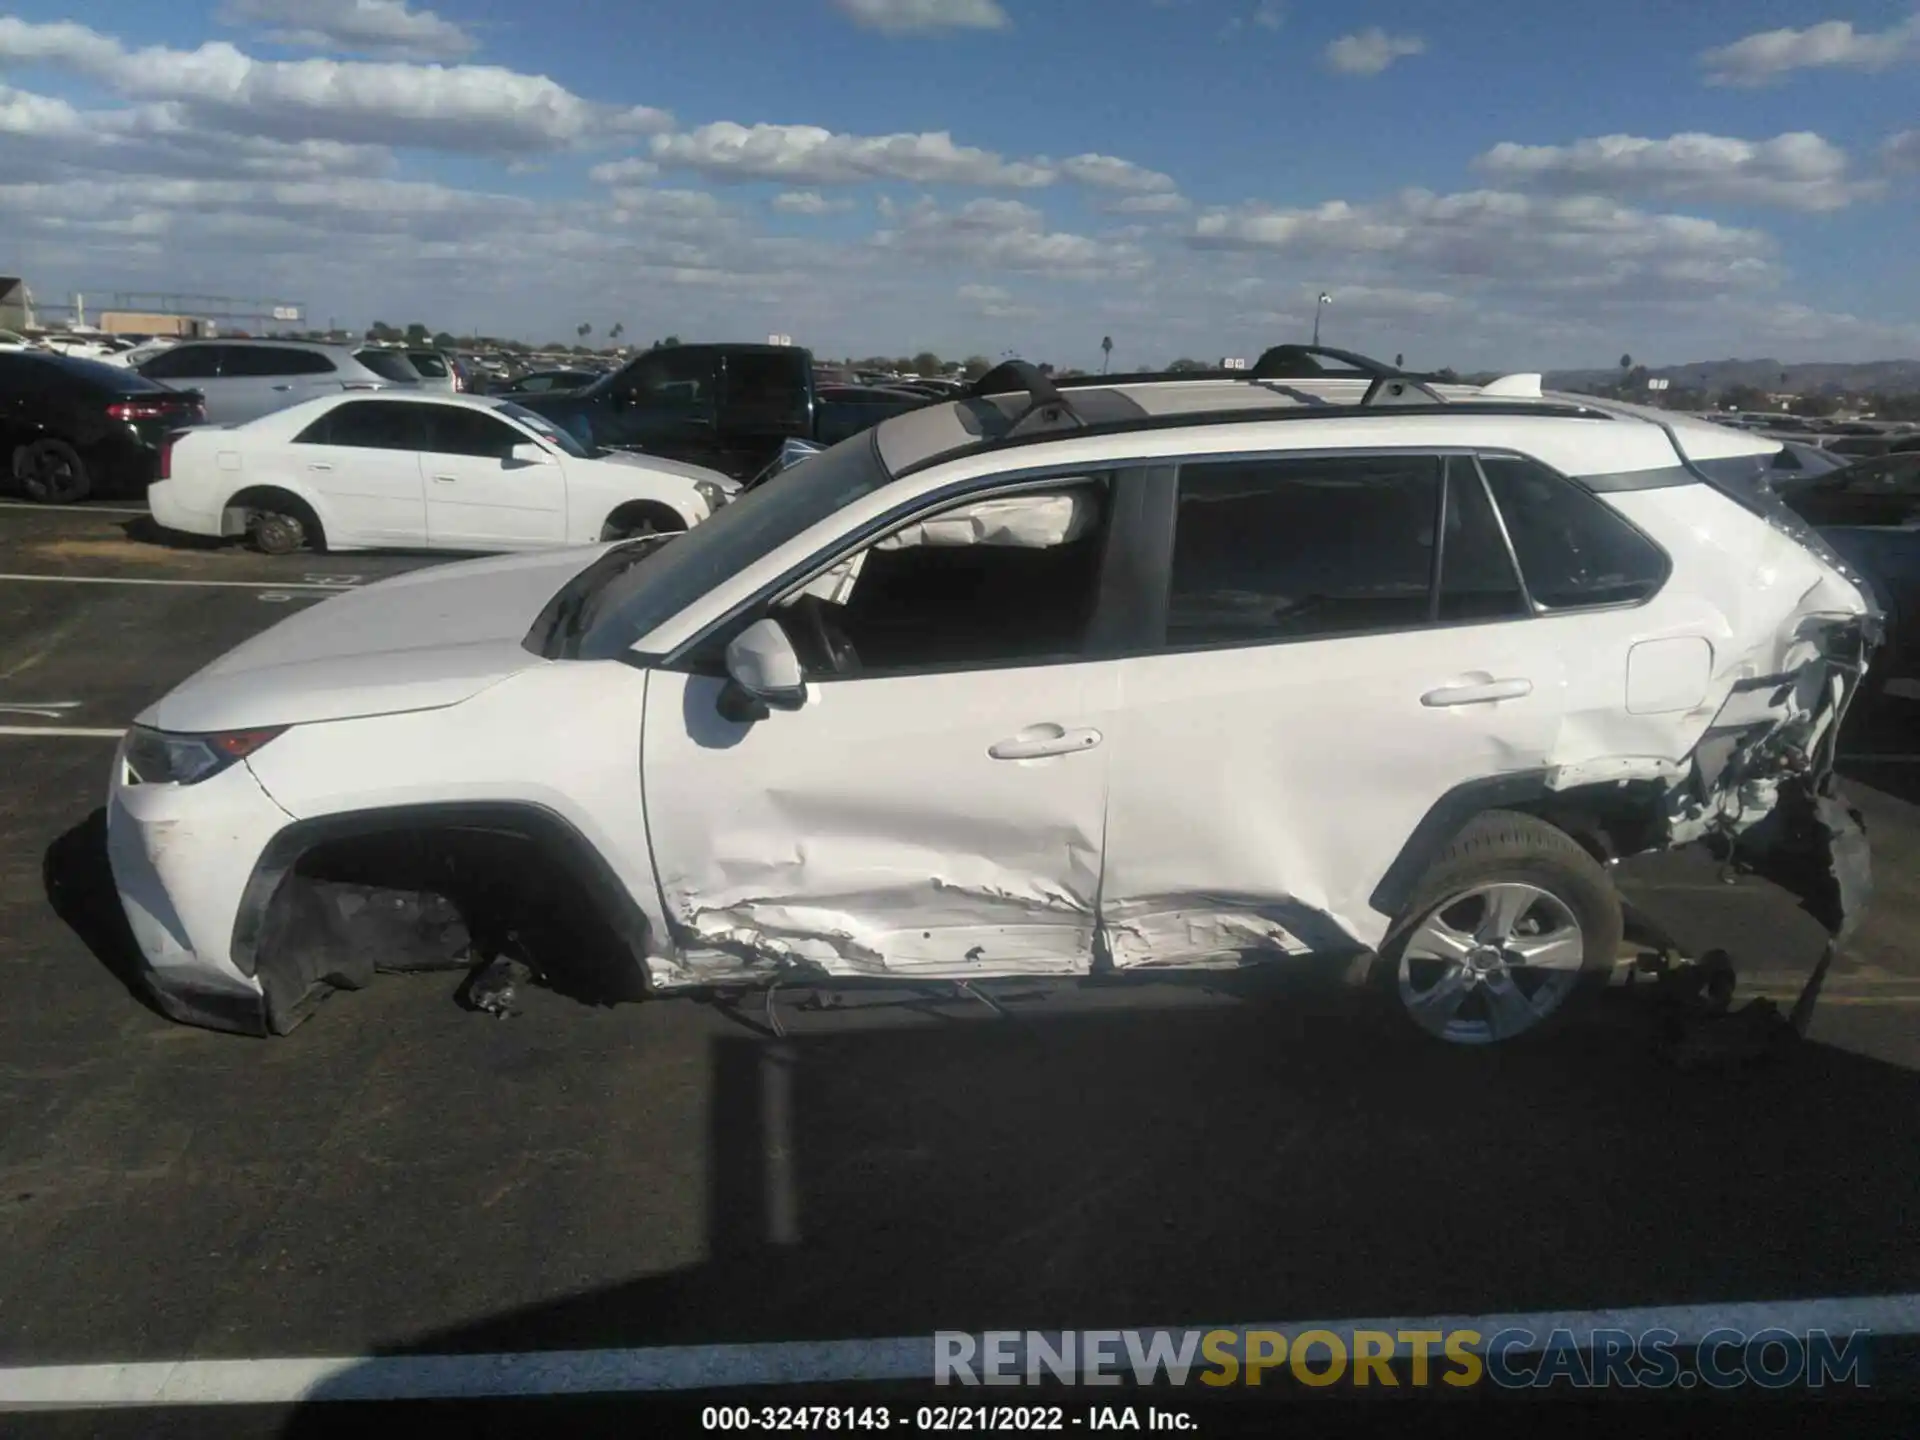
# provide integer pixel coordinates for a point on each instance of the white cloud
(1761, 58)
(1269, 15)
(1800, 171)
(371, 27)
(993, 303)
(471, 108)
(623, 172)
(808, 202)
(1160, 203)
(1006, 235)
(809, 155)
(918, 17)
(1902, 151)
(1493, 239)
(1108, 172)
(1371, 51)
(45, 139)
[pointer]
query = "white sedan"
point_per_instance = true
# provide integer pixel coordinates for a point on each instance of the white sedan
(363, 471)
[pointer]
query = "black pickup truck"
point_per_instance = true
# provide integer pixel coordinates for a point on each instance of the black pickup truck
(728, 407)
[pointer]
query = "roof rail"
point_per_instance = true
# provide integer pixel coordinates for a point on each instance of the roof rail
(1299, 362)
(1046, 407)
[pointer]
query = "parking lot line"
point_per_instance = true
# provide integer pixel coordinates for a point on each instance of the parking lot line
(73, 509)
(543, 1373)
(149, 580)
(73, 731)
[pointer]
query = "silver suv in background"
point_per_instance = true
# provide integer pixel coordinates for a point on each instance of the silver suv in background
(244, 379)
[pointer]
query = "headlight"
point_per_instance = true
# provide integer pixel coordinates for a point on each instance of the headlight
(155, 757)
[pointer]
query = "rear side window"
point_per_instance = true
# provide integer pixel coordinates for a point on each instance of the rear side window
(389, 365)
(367, 425)
(1294, 549)
(185, 362)
(457, 430)
(1477, 578)
(1574, 550)
(264, 360)
(428, 364)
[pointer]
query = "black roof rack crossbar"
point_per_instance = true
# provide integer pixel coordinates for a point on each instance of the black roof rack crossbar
(1302, 362)
(1046, 405)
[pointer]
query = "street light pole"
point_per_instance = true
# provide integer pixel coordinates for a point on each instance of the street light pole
(1324, 301)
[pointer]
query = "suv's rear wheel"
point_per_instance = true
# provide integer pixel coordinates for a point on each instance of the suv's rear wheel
(1510, 929)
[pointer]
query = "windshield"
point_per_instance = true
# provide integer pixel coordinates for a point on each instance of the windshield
(548, 431)
(635, 601)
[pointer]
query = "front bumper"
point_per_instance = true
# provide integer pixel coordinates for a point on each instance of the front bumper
(181, 859)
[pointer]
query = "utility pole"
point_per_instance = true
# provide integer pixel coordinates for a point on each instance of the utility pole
(1324, 301)
(1106, 352)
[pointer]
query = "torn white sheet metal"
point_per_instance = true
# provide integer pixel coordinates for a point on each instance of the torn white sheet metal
(1026, 522)
(870, 832)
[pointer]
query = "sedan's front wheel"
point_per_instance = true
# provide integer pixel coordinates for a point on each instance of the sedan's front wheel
(1511, 928)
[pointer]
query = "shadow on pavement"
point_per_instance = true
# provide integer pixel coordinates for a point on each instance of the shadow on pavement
(1245, 1164)
(80, 888)
(145, 530)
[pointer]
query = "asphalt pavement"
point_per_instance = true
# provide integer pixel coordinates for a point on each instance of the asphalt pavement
(402, 1176)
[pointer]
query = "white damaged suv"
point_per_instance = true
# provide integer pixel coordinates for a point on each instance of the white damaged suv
(1316, 660)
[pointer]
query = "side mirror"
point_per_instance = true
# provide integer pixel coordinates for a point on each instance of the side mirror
(528, 453)
(763, 674)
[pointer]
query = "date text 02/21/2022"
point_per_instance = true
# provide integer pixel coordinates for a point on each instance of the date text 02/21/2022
(937, 1419)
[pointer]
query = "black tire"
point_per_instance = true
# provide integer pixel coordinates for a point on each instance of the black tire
(51, 472)
(1504, 848)
(273, 532)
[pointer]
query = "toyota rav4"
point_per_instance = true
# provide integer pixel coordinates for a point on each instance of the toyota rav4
(1313, 660)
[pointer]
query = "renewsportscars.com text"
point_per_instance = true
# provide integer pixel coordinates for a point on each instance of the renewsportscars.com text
(1725, 1359)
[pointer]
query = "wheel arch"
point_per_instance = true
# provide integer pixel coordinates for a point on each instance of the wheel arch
(289, 993)
(256, 494)
(1607, 820)
(646, 507)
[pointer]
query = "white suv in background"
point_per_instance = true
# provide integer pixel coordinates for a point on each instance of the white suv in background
(243, 379)
(1115, 677)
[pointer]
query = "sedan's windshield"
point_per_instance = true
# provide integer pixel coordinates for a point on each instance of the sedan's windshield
(635, 601)
(547, 431)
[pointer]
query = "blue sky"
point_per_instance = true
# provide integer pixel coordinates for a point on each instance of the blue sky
(1475, 185)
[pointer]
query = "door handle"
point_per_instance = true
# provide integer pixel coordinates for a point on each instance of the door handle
(446, 479)
(1480, 694)
(1038, 741)
(283, 387)
(318, 465)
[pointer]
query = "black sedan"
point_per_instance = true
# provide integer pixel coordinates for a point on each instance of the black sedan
(70, 428)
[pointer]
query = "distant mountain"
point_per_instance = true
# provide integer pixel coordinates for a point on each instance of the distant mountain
(1873, 377)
